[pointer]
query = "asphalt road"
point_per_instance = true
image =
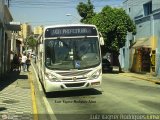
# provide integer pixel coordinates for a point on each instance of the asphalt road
(118, 95)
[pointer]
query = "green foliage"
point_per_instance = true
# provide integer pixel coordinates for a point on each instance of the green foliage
(113, 23)
(31, 42)
(86, 11)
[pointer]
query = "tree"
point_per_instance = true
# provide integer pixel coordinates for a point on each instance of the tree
(114, 24)
(86, 11)
(31, 42)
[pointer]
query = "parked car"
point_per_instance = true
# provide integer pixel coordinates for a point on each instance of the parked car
(106, 66)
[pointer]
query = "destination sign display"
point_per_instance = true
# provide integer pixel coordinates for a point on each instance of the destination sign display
(71, 31)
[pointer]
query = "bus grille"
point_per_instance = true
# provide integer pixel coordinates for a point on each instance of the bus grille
(81, 78)
(73, 73)
(75, 84)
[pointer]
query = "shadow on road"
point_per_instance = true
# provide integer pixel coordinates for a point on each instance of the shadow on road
(113, 72)
(151, 104)
(73, 93)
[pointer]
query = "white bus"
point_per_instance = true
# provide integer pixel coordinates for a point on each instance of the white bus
(69, 57)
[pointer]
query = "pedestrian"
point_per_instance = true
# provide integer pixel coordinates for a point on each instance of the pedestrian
(24, 59)
(20, 61)
(15, 63)
(28, 62)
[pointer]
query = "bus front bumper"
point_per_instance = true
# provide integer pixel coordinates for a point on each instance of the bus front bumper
(73, 85)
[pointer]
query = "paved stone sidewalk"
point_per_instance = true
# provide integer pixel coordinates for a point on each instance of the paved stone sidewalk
(15, 97)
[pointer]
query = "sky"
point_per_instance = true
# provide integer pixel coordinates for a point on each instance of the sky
(51, 12)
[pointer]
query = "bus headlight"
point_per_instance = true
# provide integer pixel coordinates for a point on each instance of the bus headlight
(96, 74)
(51, 77)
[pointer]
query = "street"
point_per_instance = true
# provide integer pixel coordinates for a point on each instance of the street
(67, 45)
(119, 94)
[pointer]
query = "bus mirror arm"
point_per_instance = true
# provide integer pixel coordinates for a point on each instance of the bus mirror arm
(101, 41)
(41, 47)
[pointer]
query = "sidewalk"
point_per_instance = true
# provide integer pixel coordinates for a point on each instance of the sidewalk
(144, 76)
(16, 97)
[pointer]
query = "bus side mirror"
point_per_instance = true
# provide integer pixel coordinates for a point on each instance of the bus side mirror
(101, 41)
(41, 48)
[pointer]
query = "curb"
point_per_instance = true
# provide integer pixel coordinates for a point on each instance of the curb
(46, 103)
(34, 105)
(146, 79)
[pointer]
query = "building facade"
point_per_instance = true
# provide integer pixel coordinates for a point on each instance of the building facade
(7, 31)
(1, 36)
(5, 17)
(26, 31)
(38, 30)
(142, 51)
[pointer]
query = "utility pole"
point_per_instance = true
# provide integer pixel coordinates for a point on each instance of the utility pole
(8, 3)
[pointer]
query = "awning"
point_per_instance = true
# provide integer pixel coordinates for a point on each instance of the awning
(13, 27)
(18, 41)
(142, 42)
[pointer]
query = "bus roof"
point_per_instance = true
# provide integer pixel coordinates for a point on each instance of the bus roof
(67, 25)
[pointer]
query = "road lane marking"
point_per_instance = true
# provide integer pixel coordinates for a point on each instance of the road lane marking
(49, 109)
(33, 98)
(47, 105)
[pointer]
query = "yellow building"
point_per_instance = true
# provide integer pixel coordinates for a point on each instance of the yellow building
(143, 54)
(25, 30)
(38, 30)
(24, 33)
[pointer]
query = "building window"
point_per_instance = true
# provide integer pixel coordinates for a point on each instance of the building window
(147, 8)
(129, 9)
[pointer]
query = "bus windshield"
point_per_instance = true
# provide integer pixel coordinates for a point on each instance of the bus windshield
(72, 53)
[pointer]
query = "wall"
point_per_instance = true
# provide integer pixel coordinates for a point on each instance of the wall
(5, 17)
(1, 34)
(157, 34)
(136, 7)
(1, 10)
(144, 27)
(0, 52)
(147, 26)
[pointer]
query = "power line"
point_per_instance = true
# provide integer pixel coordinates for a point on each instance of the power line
(8, 3)
(55, 3)
(47, 4)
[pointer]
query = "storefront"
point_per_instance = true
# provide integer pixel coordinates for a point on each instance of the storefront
(143, 55)
(145, 59)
